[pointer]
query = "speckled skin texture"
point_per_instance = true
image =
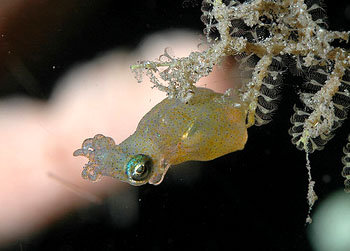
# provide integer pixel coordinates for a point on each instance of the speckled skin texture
(208, 126)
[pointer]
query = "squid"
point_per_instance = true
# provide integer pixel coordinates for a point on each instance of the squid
(205, 127)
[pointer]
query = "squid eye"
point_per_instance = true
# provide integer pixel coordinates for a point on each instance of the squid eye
(139, 168)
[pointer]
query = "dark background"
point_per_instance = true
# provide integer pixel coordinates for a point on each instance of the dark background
(251, 199)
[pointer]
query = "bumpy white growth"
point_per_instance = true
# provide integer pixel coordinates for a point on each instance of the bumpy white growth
(265, 36)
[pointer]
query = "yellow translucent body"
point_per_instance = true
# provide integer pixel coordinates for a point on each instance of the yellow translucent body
(208, 126)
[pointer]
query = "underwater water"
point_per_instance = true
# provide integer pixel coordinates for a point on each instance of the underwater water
(64, 60)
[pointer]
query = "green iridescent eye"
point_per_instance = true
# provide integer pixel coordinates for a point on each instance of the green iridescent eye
(139, 168)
